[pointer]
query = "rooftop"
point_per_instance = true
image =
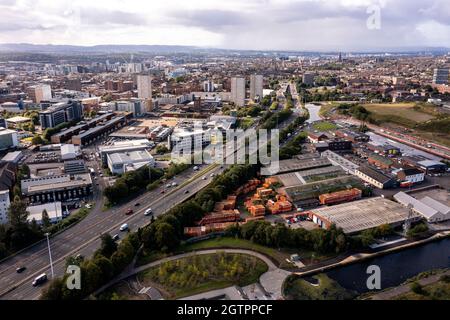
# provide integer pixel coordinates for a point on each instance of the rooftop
(363, 214)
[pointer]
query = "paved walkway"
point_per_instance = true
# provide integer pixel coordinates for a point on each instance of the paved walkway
(272, 280)
(405, 288)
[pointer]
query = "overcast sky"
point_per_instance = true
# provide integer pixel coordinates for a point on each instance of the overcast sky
(235, 24)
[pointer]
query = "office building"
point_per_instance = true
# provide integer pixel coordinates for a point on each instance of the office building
(73, 84)
(256, 86)
(208, 86)
(144, 86)
(238, 91)
(38, 93)
(4, 205)
(308, 78)
(60, 113)
(135, 106)
(441, 76)
(8, 139)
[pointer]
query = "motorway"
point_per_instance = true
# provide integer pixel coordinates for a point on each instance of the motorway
(83, 238)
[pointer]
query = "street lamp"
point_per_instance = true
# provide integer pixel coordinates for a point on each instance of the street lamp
(49, 253)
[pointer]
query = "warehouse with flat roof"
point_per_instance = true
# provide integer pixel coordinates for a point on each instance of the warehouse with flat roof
(303, 177)
(361, 215)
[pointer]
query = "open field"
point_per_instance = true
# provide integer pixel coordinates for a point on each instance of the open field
(401, 110)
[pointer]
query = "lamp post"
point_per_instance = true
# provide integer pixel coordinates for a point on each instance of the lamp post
(50, 254)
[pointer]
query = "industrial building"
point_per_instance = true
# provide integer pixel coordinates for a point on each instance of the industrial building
(338, 160)
(375, 177)
(302, 177)
(123, 147)
(119, 163)
(54, 211)
(75, 167)
(307, 195)
(292, 165)
(100, 130)
(432, 166)
(430, 209)
(52, 188)
(67, 134)
(361, 215)
(14, 157)
(69, 152)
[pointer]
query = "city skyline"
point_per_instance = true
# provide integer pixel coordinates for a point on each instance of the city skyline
(309, 25)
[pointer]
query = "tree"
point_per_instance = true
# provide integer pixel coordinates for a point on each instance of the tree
(108, 246)
(17, 213)
(161, 149)
(165, 237)
(46, 222)
(37, 140)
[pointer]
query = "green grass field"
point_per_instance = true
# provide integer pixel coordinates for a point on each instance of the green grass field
(398, 110)
(324, 126)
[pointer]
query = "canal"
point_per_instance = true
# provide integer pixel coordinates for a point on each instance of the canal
(396, 267)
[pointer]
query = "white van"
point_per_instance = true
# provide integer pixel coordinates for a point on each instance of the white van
(124, 227)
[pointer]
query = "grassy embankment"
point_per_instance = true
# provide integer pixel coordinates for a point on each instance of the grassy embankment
(296, 288)
(277, 256)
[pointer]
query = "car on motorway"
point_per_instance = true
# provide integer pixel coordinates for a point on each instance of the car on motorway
(148, 212)
(168, 185)
(195, 168)
(137, 204)
(123, 227)
(204, 178)
(39, 280)
(20, 269)
(186, 192)
(116, 237)
(174, 184)
(129, 211)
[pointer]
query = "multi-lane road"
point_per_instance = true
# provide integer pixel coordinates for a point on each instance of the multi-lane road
(83, 238)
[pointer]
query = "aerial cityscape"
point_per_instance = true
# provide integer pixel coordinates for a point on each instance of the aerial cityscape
(252, 151)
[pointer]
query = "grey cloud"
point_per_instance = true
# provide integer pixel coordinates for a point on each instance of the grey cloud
(100, 17)
(207, 19)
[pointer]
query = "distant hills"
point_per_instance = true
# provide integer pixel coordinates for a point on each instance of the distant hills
(64, 49)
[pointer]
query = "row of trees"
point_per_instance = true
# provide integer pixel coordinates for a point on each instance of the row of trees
(272, 119)
(332, 240)
(108, 261)
(293, 147)
(131, 183)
